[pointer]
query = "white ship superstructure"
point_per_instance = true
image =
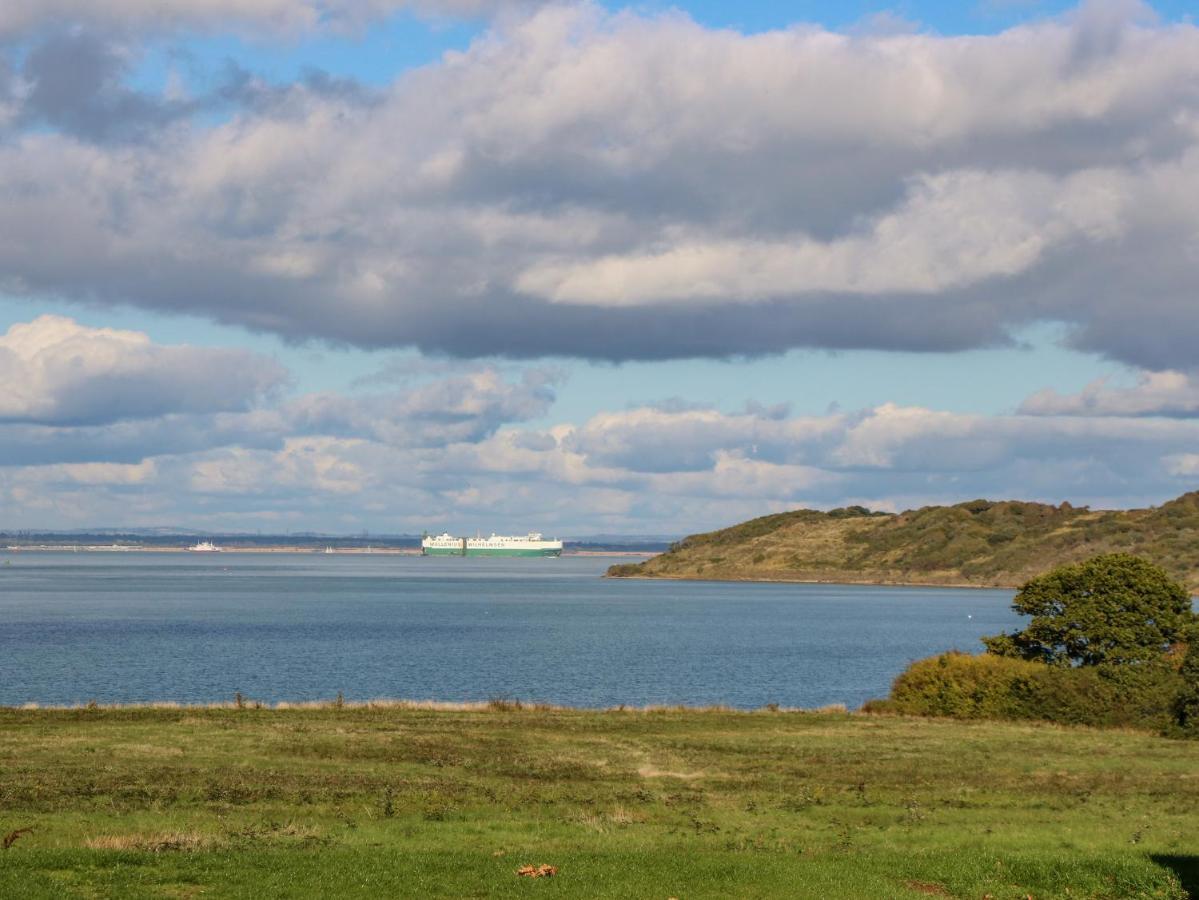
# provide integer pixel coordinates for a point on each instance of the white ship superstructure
(531, 544)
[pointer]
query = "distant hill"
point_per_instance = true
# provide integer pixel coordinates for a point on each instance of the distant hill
(982, 542)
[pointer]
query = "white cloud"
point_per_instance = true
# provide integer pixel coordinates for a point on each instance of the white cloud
(954, 230)
(1166, 393)
(56, 371)
(320, 465)
(79, 474)
(467, 406)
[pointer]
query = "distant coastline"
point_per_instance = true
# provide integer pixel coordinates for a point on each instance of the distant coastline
(277, 548)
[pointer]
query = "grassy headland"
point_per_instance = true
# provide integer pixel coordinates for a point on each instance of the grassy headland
(400, 801)
(985, 543)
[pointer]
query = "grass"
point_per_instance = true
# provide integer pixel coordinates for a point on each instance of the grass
(399, 800)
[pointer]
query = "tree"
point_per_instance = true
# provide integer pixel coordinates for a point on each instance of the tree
(1186, 708)
(1115, 609)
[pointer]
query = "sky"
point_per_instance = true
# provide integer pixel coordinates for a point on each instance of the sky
(583, 268)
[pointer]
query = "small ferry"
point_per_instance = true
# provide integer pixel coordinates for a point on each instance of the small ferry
(204, 547)
(531, 544)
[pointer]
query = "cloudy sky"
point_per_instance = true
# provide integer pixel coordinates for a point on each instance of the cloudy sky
(507, 264)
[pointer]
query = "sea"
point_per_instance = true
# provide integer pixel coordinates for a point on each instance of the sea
(130, 627)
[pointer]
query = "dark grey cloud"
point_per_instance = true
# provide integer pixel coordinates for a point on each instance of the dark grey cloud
(7, 86)
(76, 83)
(280, 17)
(243, 90)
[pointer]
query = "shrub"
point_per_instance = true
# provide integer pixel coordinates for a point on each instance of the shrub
(1110, 696)
(962, 686)
(624, 570)
(1186, 704)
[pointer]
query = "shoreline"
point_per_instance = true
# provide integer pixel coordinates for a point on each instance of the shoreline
(489, 706)
(827, 581)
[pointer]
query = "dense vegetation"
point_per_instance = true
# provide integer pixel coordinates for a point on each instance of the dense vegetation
(980, 542)
(1111, 641)
(986, 686)
(388, 801)
(1112, 610)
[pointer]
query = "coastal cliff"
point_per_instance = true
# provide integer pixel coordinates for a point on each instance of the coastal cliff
(983, 543)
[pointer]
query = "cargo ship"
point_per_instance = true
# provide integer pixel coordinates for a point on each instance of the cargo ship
(531, 544)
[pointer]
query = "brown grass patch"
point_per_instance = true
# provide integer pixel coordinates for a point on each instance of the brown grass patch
(654, 772)
(619, 817)
(163, 842)
(149, 750)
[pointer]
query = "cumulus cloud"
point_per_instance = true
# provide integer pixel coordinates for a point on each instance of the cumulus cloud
(56, 371)
(620, 186)
(467, 450)
(1166, 393)
(467, 407)
(680, 440)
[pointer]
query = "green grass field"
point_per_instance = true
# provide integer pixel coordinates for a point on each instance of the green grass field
(393, 801)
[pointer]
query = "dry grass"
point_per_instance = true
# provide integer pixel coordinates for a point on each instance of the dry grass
(605, 822)
(154, 750)
(159, 842)
(650, 771)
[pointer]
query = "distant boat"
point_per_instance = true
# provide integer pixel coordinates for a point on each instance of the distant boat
(530, 544)
(204, 547)
(330, 550)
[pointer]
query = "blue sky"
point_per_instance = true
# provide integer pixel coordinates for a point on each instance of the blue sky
(639, 268)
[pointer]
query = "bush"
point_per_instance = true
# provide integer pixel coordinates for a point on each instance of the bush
(1186, 704)
(1108, 696)
(624, 570)
(962, 686)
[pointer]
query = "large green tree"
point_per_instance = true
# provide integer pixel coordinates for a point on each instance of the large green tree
(1115, 609)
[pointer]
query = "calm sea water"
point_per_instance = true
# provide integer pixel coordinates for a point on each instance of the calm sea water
(128, 627)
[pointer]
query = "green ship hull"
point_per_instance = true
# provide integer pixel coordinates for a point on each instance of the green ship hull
(440, 551)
